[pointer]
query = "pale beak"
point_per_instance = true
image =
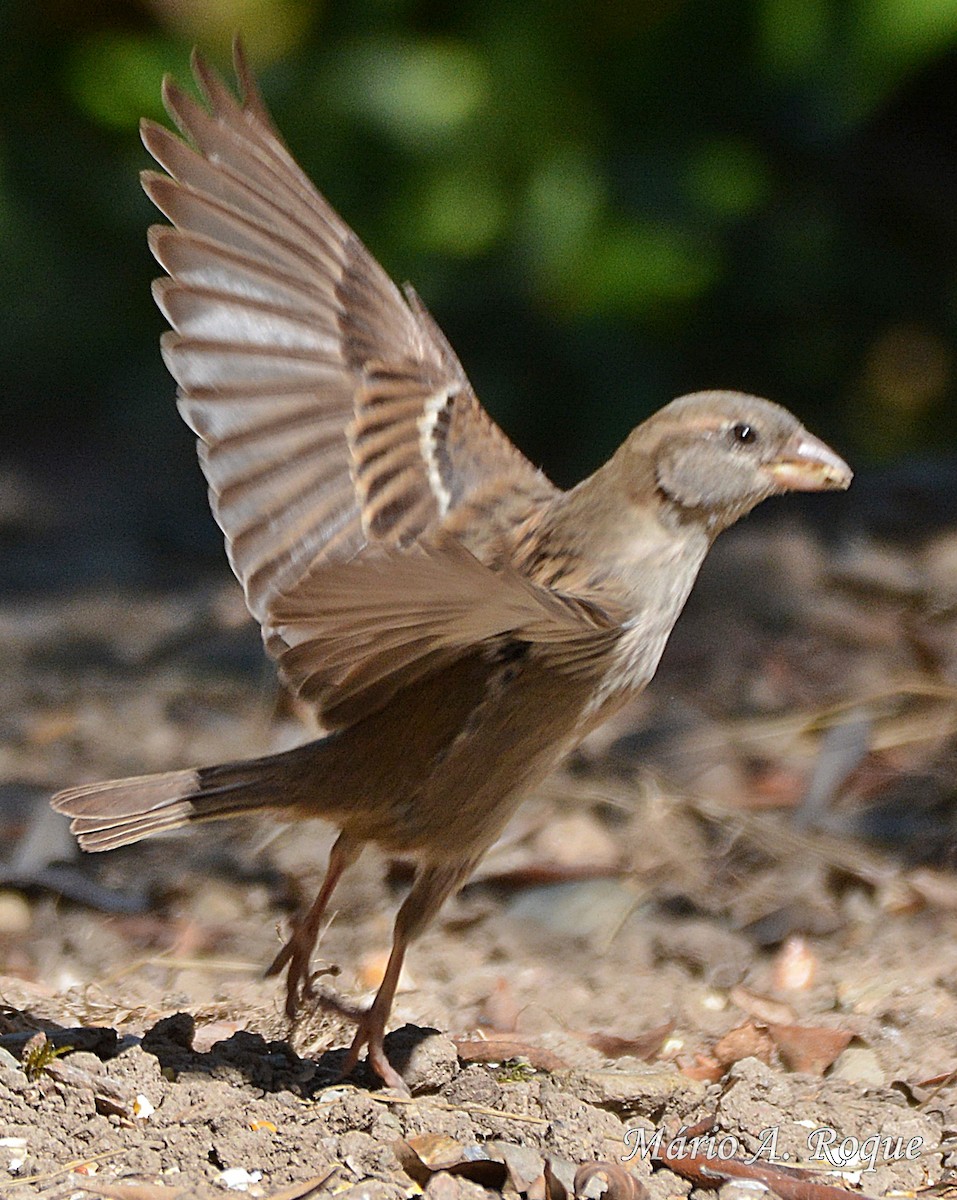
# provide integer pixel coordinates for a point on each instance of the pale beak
(806, 464)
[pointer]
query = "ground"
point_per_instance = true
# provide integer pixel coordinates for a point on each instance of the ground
(732, 911)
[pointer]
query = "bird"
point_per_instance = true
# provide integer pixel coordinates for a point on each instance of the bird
(456, 621)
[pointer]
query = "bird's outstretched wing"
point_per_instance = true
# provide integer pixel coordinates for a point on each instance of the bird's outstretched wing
(334, 420)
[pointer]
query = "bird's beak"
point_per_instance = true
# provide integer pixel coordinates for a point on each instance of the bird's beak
(806, 464)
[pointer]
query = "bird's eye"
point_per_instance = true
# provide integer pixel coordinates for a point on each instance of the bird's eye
(743, 433)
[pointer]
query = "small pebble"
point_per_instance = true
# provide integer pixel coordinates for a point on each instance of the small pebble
(15, 916)
(14, 1150)
(795, 965)
(238, 1179)
(858, 1064)
(425, 1058)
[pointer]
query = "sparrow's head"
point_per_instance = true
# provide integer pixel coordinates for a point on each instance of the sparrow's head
(721, 453)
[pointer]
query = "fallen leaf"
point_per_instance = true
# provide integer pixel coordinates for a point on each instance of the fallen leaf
(436, 1150)
(304, 1190)
(498, 1050)
(647, 1046)
(609, 1180)
(746, 1041)
(789, 1183)
(132, 1191)
(704, 1068)
(807, 1048)
(429, 1155)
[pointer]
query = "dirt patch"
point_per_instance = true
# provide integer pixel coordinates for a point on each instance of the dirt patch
(732, 913)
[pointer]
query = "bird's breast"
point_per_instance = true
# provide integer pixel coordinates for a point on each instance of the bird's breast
(652, 590)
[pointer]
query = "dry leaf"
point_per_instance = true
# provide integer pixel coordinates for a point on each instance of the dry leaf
(647, 1046)
(497, 1050)
(811, 1049)
(609, 1180)
(132, 1191)
(437, 1151)
(430, 1155)
(304, 1190)
(704, 1068)
(746, 1041)
(789, 1183)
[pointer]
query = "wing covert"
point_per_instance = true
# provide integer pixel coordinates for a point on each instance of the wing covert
(331, 413)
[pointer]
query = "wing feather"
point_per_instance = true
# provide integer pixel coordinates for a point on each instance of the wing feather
(355, 634)
(335, 422)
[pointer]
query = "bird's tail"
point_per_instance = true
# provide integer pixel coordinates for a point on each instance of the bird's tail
(120, 811)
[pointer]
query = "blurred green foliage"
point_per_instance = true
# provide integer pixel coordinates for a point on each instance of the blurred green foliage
(604, 203)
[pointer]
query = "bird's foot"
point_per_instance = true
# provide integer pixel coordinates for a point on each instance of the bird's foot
(296, 954)
(370, 1032)
(298, 950)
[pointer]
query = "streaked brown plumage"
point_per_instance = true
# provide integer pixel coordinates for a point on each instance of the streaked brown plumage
(458, 622)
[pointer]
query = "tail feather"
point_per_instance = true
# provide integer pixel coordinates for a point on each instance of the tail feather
(121, 811)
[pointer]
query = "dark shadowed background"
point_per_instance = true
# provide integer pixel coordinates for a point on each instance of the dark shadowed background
(605, 205)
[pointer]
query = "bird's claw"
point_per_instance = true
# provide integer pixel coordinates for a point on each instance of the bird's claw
(370, 1032)
(299, 979)
(370, 1023)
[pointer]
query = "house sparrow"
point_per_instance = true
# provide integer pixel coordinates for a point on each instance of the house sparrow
(458, 622)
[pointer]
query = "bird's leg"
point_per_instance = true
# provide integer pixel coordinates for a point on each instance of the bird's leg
(297, 952)
(431, 887)
(371, 1023)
